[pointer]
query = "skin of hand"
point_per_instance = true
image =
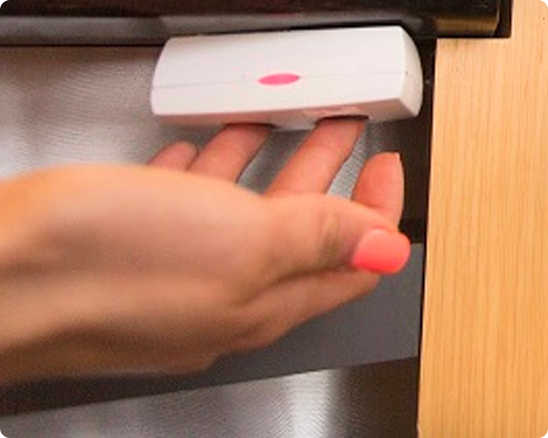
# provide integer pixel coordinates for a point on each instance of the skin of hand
(168, 267)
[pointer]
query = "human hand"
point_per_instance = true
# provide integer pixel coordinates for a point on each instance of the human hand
(133, 268)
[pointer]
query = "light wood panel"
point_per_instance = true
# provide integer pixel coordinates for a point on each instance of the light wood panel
(485, 341)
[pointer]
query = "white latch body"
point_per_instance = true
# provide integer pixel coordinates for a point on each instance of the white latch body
(288, 79)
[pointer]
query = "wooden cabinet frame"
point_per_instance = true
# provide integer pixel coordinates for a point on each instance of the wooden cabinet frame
(484, 369)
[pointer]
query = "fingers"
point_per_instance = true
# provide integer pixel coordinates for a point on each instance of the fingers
(229, 152)
(320, 157)
(178, 156)
(226, 156)
(380, 186)
(311, 169)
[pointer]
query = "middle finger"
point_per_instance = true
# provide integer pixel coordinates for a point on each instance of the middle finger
(319, 159)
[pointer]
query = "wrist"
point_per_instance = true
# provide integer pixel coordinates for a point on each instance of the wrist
(31, 311)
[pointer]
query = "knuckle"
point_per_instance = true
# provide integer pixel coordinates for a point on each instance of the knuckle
(309, 227)
(259, 340)
(265, 334)
(257, 329)
(265, 337)
(205, 363)
(190, 148)
(194, 365)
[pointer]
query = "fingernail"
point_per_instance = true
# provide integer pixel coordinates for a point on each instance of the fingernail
(382, 252)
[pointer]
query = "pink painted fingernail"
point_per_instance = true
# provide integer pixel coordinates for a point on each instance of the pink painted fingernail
(382, 252)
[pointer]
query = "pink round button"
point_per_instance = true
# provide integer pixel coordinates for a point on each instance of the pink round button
(279, 79)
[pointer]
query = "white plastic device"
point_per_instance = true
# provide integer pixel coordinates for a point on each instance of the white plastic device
(289, 79)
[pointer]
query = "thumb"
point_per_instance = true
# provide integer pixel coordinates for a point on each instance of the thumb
(317, 233)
